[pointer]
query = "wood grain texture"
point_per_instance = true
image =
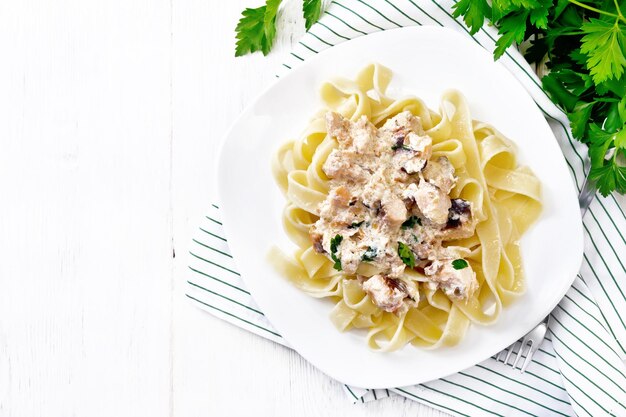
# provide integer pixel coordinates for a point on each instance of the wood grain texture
(110, 116)
(86, 219)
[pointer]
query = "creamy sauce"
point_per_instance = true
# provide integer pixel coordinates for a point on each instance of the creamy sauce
(389, 208)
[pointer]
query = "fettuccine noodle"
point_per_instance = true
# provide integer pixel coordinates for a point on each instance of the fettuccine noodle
(505, 200)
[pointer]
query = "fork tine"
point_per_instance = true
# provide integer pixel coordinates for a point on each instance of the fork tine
(533, 348)
(519, 352)
(510, 351)
(533, 339)
(501, 354)
(529, 356)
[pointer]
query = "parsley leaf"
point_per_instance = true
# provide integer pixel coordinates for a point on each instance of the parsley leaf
(621, 108)
(539, 14)
(405, 253)
(599, 143)
(256, 29)
(269, 20)
(525, 4)
(250, 32)
(558, 92)
(473, 12)
(609, 177)
(411, 222)
(512, 29)
(311, 10)
(613, 120)
(620, 138)
(337, 264)
(560, 6)
(579, 118)
(607, 173)
(500, 8)
(334, 244)
(369, 254)
(354, 225)
(617, 87)
(459, 264)
(604, 44)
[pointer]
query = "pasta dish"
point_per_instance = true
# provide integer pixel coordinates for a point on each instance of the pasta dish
(407, 219)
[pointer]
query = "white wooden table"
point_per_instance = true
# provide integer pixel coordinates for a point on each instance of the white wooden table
(110, 112)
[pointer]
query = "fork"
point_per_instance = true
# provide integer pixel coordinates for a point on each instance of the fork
(535, 337)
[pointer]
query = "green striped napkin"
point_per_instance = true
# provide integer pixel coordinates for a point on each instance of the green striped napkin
(578, 370)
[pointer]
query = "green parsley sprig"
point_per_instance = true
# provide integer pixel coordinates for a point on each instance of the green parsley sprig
(311, 10)
(370, 254)
(584, 46)
(256, 29)
(406, 254)
(459, 264)
(411, 222)
(334, 245)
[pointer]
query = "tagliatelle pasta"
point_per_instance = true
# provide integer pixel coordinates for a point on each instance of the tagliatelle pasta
(504, 200)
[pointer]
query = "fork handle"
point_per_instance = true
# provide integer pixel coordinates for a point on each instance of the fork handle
(586, 195)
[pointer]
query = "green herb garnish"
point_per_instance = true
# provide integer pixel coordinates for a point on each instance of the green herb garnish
(459, 264)
(256, 29)
(396, 147)
(369, 254)
(334, 243)
(405, 253)
(411, 222)
(354, 225)
(311, 10)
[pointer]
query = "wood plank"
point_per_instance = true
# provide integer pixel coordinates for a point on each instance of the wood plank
(85, 127)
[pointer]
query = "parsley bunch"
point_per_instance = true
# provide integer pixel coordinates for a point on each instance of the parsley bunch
(256, 29)
(584, 43)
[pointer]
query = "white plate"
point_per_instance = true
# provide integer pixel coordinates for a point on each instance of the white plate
(425, 62)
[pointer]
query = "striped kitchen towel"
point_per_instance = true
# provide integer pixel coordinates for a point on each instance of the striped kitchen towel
(578, 370)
